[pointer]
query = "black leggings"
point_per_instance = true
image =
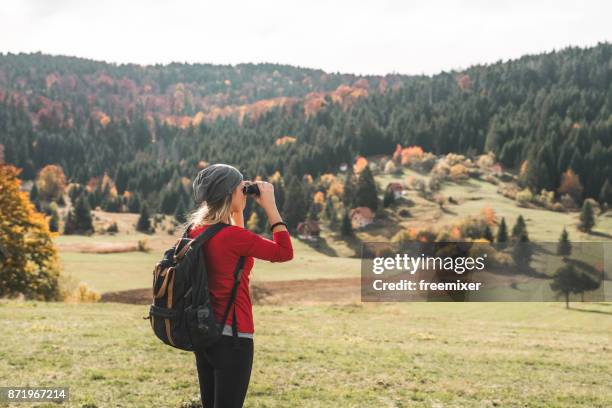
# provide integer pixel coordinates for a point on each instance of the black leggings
(224, 372)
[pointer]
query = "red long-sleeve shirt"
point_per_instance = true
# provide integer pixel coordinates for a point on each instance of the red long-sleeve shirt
(222, 252)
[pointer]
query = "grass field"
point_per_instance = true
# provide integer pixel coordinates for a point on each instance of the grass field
(329, 352)
(360, 355)
(133, 270)
(474, 195)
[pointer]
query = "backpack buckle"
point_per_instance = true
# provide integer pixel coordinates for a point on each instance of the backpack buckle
(202, 313)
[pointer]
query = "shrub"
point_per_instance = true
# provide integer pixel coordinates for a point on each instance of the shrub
(453, 158)
(390, 167)
(435, 182)
(85, 294)
(458, 172)
(568, 202)
(545, 198)
(557, 207)
(486, 160)
(473, 227)
(402, 237)
(441, 169)
(143, 245)
(425, 163)
(594, 205)
(524, 197)
(82, 293)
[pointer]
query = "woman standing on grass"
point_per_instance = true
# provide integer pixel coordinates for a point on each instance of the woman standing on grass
(224, 369)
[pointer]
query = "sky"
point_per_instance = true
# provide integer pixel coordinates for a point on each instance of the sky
(360, 36)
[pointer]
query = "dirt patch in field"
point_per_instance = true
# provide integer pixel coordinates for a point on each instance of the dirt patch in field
(306, 291)
(132, 296)
(100, 247)
(300, 292)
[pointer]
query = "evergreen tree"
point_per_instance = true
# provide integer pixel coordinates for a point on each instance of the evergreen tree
(134, 203)
(279, 191)
(54, 220)
(502, 234)
(366, 193)
(330, 214)
(168, 201)
(35, 198)
(349, 190)
(79, 219)
(520, 229)
(605, 195)
(587, 217)
(587, 283)
(522, 253)
(144, 221)
(564, 247)
(121, 180)
(333, 221)
(111, 204)
(346, 228)
(389, 198)
(181, 210)
(69, 224)
(75, 191)
(296, 204)
(38, 205)
(488, 234)
(566, 280)
(262, 218)
(313, 211)
(34, 193)
(329, 208)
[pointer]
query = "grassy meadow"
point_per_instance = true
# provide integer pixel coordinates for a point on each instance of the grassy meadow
(358, 355)
(333, 353)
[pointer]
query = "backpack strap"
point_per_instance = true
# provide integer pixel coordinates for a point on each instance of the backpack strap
(237, 278)
(235, 328)
(200, 239)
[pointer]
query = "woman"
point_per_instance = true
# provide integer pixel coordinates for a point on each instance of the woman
(224, 371)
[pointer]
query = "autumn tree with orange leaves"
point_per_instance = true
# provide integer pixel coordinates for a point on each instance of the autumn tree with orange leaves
(28, 260)
(51, 182)
(570, 184)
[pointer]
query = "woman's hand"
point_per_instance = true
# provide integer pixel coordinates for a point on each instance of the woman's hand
(266, 198)
(267, 201)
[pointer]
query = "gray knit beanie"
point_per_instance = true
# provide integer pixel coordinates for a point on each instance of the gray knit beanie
(215, 182)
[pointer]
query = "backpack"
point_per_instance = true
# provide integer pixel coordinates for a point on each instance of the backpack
(181, 313)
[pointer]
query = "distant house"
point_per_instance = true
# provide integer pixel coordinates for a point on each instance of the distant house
(343, 167)
(308, 230)
(361, 216)
(397, 188)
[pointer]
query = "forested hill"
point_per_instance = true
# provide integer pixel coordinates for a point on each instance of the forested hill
(148, 126)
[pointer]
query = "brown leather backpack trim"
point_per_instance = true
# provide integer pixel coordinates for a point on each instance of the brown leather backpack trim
(169, 303)
(166, 275)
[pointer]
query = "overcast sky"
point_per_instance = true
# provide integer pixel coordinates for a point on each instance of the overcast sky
(357, 36)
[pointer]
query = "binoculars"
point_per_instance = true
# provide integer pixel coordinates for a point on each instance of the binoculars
(251, 189)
